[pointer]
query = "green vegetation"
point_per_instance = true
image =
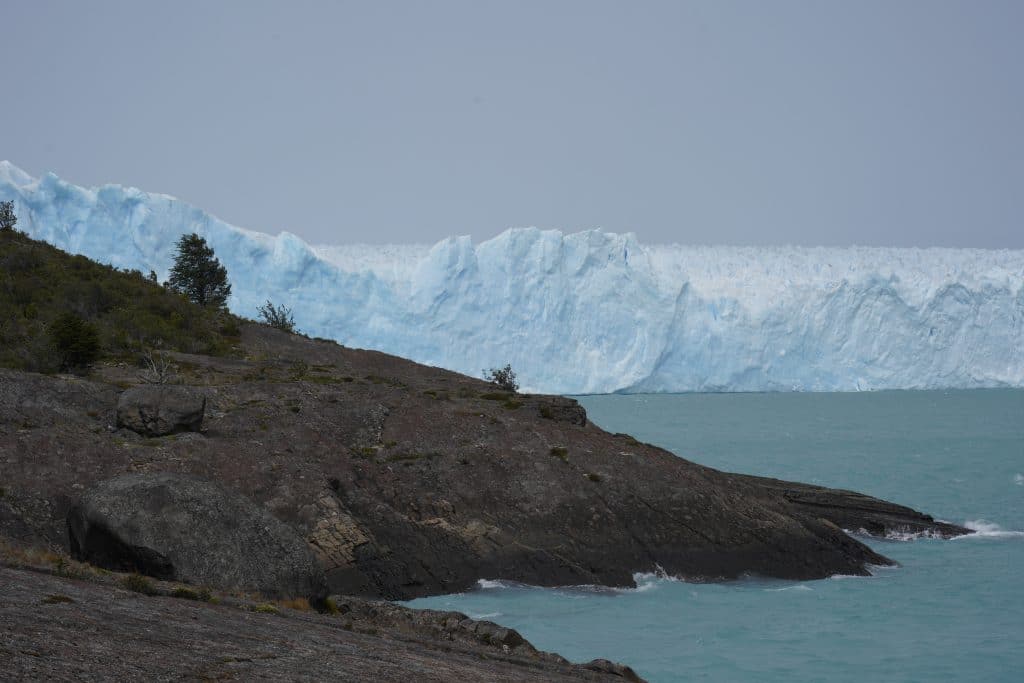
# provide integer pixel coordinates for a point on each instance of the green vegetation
(497, 396)
(54, 305)
(7, 218)
(140, 584)
(198, 274)
(560, 452)
(504, 378)
(75, 340)
(265, 608)
(56, 599)
(596, 478)
(200, 595)
(279, 317)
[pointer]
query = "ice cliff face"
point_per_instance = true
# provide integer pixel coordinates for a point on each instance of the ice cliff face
(592, 311)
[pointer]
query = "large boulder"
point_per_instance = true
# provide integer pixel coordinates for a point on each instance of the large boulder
(182, 528)
(159, 409)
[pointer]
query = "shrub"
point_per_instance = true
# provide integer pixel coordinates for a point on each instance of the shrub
(504, 378)
(140, 584)
(158, 368)
(201, 595)
(39, 283)
(331, 606)
(300, 604)
(75, 340)
(279, 317)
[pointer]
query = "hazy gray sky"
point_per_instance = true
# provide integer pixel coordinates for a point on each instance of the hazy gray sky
(880, 123)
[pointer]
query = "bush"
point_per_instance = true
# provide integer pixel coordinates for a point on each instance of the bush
(504, 378)
(140, 584)
(39, 283)
(75, 340)
(279, 317)
(200, 595)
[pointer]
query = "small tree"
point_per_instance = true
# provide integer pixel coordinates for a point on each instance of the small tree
(7, 218)
(198, 274)
(504, 378)
(277, 316)
(76, 341)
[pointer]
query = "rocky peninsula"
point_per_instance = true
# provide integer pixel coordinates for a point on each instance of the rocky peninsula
(288, 468)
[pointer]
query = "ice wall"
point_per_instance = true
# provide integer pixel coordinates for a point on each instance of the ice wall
(592, 311)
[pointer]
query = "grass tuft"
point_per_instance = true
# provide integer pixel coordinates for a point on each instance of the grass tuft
(140, 584)
(560, 452)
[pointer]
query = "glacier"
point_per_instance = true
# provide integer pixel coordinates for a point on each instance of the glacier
(591, 312)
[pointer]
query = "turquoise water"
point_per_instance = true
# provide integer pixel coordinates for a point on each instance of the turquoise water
(953, 610)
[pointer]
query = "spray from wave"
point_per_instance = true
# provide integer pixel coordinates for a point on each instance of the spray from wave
(985, 529)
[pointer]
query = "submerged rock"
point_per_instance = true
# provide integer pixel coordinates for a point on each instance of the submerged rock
(179, 527)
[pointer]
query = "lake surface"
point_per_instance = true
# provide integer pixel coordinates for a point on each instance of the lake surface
(953, 610)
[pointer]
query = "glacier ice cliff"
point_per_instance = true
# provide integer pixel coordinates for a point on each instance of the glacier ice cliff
(592, 312)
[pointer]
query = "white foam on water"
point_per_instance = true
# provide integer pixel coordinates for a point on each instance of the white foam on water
(986, 529)
(645, 582)
(1018, 479)
(648, 581)
(489, 584)
(488, 615)
(799, 587)
(912, 535)
(897, 535)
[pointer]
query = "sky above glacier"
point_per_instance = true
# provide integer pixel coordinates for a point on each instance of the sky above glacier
(813, 123)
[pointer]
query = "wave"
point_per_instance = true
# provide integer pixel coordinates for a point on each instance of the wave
(897, 535)
(986, 529)
(488, 615)
(799, 587)
(645, 581)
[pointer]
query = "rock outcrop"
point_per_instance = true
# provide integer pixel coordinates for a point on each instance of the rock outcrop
(858, 513)
(407, 480)
(182, 528)
(161, 409)
(56, 629)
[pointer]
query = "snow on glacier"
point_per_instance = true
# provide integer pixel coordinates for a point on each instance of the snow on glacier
(592, 311)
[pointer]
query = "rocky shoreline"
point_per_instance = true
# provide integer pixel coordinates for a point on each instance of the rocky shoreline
(75, 624)
(394, 480)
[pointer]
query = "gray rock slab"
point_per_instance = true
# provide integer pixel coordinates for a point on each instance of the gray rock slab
(180, 527)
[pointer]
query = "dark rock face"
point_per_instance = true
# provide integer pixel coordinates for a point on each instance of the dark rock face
(857, 512)
(560, 409)
(179, 527)
(407, 480)
(160, 409)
